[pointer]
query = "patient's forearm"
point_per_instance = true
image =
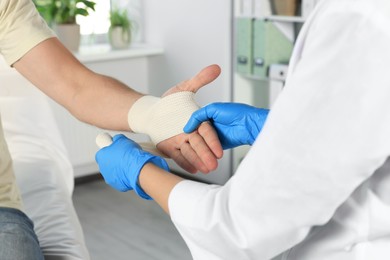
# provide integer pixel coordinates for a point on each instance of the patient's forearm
(104, 102)
(92, 98)
(158, 184)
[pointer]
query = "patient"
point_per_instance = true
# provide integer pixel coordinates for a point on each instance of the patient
(30, 46)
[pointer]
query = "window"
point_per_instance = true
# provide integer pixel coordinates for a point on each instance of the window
(96, 22)
(94, 28)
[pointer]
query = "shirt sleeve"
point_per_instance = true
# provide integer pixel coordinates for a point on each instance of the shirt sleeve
(326, 135)
(21, 29)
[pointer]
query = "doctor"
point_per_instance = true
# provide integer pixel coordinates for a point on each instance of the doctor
(316, 182)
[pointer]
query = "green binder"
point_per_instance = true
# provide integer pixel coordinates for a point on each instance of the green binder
(244, 42)
(270, 46)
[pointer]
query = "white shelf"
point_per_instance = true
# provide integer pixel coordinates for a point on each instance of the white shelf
(277, 18)
(104, 52)
(253, 77)
(289, 19)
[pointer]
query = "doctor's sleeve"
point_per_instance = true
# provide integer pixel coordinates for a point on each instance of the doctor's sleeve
(325, 136)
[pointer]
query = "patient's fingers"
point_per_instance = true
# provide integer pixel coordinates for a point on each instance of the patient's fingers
(192, 157)
(190, 151)
(210, 136)
(180, 159)
(202, 151)
(204, 77)
(171, 147)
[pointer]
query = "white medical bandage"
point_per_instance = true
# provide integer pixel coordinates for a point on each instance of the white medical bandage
(162, 118)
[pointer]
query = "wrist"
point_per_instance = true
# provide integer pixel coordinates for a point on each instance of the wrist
(148, 159)
(162, 118)
(158, 183)
(139, 112)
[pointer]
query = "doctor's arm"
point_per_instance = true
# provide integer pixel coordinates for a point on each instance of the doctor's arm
(325, 136)
(105, 102)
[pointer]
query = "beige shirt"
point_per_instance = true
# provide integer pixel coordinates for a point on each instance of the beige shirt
(21, 29)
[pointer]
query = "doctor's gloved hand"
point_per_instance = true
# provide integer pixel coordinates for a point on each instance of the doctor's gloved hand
(236, 124)
(121, 162)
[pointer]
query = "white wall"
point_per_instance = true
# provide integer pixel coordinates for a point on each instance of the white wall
(194, 34)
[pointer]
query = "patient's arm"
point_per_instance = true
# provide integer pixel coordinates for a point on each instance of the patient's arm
(105, 102)
(92, 98)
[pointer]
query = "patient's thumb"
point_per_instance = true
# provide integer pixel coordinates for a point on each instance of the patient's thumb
(204, 77)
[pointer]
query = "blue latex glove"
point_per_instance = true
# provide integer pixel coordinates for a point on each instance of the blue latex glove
(121, 163)
(236, 124)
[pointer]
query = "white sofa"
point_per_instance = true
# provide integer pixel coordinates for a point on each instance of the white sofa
(42, 168)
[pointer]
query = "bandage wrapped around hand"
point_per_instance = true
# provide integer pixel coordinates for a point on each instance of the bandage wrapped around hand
(162, 118)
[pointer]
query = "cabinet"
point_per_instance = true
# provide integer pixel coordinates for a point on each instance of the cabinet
(259, 43)
(262, 40)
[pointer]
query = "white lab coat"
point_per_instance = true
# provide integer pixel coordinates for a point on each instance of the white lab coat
(316, 183)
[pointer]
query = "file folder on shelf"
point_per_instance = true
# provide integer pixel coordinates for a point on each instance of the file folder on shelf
(244, 46)
(270, 46)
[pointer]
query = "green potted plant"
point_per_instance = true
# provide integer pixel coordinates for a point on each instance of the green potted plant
(61, 15)
(120, 29)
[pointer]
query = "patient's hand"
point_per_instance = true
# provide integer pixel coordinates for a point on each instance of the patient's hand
(200, 150)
